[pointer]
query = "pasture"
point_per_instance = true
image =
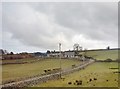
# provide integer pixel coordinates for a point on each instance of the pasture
(95, 75)
(17, 71)
(103, 54)
(19, 60)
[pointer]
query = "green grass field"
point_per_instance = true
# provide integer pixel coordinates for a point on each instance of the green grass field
(103, 54)
(100, 71)
(19, 60)
(24, 70)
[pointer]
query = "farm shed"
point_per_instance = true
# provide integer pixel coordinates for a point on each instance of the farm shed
(55, 54)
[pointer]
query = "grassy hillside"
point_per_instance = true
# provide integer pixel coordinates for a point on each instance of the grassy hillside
(100, 71)
(103, 54)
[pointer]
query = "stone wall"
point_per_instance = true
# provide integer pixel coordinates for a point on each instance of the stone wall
(44, 78)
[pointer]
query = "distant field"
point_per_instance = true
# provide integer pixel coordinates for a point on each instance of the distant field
(18, 60)
(24, 70)
(100, 71)
(103, 54)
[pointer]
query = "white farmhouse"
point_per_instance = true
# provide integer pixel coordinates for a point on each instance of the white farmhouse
(69, 54)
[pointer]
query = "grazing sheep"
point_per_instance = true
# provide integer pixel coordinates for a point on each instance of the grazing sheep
(63, 79)
(45, 70)
(76, 81)
(69, 83)
(79, 82)
(107, 80)
(95, 78)
(49, 69)
(90, 80)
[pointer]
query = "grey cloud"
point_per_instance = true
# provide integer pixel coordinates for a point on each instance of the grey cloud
(91, 18)
(44, 25)
(84, 17)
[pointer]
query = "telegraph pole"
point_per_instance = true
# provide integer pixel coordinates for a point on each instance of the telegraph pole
(60, 58)
(85, 55)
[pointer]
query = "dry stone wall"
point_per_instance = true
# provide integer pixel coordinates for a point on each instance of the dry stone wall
(41, 79)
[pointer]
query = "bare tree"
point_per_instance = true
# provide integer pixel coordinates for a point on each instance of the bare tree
(76, 47)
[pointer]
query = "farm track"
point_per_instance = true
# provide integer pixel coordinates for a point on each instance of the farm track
(44, 78)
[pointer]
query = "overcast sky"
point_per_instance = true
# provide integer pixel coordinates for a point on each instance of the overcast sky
(41, 26)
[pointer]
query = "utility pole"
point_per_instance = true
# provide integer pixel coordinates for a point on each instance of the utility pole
(60, 58)
(84, 56)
